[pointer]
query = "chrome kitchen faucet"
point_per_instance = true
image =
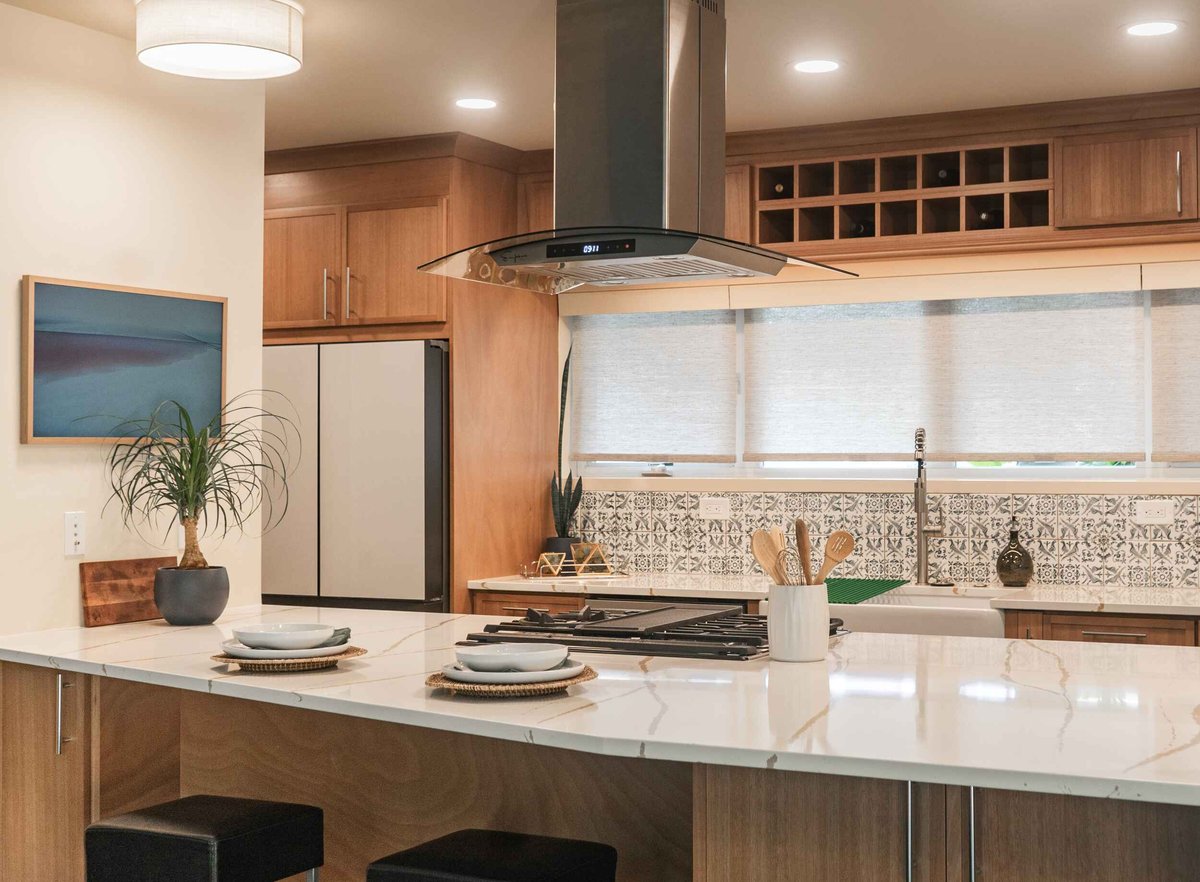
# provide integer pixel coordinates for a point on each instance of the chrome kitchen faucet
(924, 531)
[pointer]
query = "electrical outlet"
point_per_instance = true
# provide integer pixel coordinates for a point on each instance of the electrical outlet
(180, 539)
(73, 522)
(714, 508)
(1154, 511)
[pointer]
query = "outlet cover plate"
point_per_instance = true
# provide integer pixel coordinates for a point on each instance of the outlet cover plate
(714, 508)
(1154, 511)
(73, 530)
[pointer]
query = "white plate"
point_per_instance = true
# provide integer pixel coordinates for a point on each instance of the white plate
(239, 650)
(568, 669)
(498, 657)
(284, 635)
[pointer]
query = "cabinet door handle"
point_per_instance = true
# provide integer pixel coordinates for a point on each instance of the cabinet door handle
(347, 292)
(325, 293)
(1179, 182)
(523, 609)
(971, 864)
(59, 740)
(908, 835)
(1113, 634)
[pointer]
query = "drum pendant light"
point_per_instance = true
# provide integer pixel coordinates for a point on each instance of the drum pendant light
(221, 39)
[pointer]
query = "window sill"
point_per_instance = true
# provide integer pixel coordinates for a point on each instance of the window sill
(1156, 481)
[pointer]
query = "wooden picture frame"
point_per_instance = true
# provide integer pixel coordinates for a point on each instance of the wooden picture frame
(88, 361)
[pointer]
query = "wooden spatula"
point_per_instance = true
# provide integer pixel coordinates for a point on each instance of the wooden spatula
(837, 548)
(804, 549)
(766, 552)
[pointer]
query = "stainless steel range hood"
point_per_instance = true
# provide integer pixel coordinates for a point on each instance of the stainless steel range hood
(639, 157)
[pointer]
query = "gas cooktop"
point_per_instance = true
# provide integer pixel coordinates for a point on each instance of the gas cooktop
(683, 630)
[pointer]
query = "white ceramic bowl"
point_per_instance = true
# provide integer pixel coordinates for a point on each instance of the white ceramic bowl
(285, 635)
(512, 656)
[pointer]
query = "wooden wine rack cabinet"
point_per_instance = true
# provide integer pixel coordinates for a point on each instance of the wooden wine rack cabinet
(893, 199)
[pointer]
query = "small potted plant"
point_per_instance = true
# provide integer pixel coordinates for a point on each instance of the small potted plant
(565, 496)
(214, 476)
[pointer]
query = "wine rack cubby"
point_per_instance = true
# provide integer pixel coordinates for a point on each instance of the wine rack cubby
(862, 201)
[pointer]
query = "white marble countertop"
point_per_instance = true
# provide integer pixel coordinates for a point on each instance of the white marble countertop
(1085, 719)
(1137, 600)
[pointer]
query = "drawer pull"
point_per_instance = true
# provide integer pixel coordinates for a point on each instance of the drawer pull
(1114, 634)
(59, 739)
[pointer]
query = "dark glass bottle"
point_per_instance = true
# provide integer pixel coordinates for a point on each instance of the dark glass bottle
(1015, 565)
(945, 177)
(991, 219)
(862, 229)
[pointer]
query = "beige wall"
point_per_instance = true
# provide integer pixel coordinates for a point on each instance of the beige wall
(111, 172)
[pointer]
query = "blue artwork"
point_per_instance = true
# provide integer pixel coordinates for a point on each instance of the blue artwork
(101, 357)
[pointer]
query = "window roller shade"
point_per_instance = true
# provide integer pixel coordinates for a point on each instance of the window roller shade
(1013, 378)
(1175, 334)
(655, 388)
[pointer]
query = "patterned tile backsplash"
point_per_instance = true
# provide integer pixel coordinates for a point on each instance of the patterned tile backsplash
(1073, 539)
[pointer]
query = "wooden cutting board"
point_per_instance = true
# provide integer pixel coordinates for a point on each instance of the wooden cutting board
(116, 591)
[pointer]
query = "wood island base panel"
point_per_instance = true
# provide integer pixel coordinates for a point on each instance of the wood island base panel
(893, 760)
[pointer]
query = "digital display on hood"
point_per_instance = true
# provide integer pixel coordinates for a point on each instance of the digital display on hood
(587, 249)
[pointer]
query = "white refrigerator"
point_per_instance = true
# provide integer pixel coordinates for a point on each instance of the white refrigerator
(367, 521)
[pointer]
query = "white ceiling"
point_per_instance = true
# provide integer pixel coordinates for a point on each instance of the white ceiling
(387, 68)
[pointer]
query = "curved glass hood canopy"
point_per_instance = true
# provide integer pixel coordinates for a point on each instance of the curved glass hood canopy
(639, 158)
(554, 261)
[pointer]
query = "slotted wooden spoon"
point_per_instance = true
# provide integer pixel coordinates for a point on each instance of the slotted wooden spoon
(838, 547)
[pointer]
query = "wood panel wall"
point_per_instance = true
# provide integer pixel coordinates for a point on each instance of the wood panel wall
(385, 787)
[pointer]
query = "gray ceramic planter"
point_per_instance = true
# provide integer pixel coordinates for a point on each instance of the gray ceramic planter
(191, 597)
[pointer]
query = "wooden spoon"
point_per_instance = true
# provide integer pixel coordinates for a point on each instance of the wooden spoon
(804, 549)
(837, 548)
(766, 552)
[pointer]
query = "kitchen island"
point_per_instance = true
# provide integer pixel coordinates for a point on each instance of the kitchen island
(712, 770)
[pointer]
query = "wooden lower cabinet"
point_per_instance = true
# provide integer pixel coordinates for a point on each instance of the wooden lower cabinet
(491, 603)
(45, 792)
(1038, 836)
(1101, 628)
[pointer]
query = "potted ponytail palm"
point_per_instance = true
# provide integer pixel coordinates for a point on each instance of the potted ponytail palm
(214, 476)
(565, 496)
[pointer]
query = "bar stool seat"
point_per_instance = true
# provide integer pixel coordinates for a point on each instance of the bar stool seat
(207, 839)
(496, 856)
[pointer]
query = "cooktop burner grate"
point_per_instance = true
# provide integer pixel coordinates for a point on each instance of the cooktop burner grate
(634, 628)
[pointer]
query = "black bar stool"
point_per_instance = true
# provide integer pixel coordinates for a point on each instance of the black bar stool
(496, 856)
(207, 839)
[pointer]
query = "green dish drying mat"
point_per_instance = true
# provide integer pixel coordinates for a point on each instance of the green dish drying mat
(858, 590)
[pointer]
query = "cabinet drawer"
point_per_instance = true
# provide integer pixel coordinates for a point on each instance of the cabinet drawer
(487, 603)
(1143, 630)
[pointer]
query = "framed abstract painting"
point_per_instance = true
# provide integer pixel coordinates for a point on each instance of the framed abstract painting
(95, 356)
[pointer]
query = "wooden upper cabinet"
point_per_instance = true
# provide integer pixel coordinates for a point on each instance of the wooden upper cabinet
(737, 203)
(535, 204)
(302, 264)
(384, 246)
(1147, 176)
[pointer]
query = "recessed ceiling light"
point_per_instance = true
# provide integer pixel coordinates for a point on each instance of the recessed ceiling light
(1152, 28)
(475, 103)
(816, 65)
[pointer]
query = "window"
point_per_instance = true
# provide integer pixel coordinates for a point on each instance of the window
(1090, 379)
(655, 387)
